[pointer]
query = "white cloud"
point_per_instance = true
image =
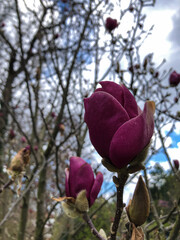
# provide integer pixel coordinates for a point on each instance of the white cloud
(177, 128)
(174, 153)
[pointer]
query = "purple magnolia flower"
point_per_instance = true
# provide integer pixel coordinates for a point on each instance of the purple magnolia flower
(176, 164)
(118, 129)
(174, 79)
(80, 177)
(111, 24)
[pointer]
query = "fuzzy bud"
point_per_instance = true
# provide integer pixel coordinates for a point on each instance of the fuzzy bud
(61, 128)
(19, 162)
(139, 207)
(70, 210)
(81, 202)
(103, 234)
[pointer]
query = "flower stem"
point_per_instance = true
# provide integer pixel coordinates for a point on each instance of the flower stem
(92, 227)
(122, 177)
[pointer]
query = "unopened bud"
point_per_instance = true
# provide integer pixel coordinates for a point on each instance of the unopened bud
(61, 128)
(103, 234)
(176, 164)
(139, 207)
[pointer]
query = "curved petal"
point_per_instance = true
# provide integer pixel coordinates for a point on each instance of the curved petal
(123, 95)
(130, 103)
(75, 164)
(84, 179)
(67, 182)
(103, 115)
(132, 137)
(96, 188)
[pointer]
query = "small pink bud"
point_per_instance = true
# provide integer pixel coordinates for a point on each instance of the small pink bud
(35, 148)
(176, 164)
(53, 115)
(23, 140)
(12, 134)
(111, 24)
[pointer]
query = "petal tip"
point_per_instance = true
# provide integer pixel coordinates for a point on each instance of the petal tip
(151, 106)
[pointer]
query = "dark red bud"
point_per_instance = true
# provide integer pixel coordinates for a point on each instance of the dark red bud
(131, 9)
(174, 79)
(176, 99)
(2, 25)
(176, 164)
(35, 148)
(53, 115)
(56, 36)
(111, 24)
(12, 134)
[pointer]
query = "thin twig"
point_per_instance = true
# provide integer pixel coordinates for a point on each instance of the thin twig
(92, 227)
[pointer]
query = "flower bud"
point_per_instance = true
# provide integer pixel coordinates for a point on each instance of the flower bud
(103, 234)
(61, 128)
(174, 79)
(23, 140)
(111, 24)
(19, 162)
(176, 164)
(139, 207)
(12, 134)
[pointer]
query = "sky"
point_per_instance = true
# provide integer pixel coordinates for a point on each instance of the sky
(164, 41)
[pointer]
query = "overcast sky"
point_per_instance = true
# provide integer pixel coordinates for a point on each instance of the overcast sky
(165, 39)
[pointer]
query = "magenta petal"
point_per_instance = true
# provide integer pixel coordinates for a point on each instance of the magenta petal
(96, 187)
(75, 164)
(114, 89)
(84, 179)
(132, 137)
(130, 103)
(123, 95)
(67, 182)
(103, 115)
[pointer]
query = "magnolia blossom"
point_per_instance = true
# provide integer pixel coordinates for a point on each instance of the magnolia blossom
(80, 176)
(174, 79)
(118, 128)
